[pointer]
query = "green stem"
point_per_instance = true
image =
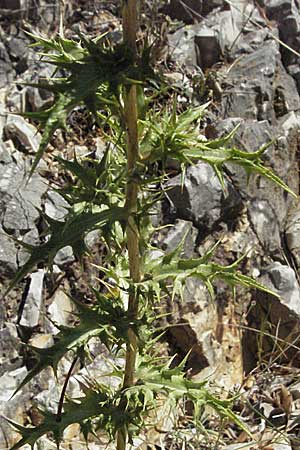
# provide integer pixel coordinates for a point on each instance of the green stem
(129, 14)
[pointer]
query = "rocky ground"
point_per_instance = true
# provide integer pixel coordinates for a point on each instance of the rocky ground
(244, 57)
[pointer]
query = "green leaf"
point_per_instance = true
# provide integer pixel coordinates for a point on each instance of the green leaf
(106, 320)
(171, 268)
(63, 233)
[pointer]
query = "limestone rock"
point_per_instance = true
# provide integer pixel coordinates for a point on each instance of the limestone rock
(31, 310)
(172, 237)
(292, 232)
(23, 133)
(201, 199)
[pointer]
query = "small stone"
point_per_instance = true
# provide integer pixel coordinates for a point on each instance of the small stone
(23, 133)
(9, 383)
(32, 308)
(8, 255)
(175, 234)
(265, 224)
(56, 206)
(60, 309)
(201, 199)
(64, 256)
(182, 47)
(42, 341)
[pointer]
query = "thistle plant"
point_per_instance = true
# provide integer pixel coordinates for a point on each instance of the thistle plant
(116, 195)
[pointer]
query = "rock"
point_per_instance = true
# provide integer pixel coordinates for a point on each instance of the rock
(31, 237)
(55, 205)
(281, 157)
(175, 234)
(17, 47)
(278, 317)
(294, 71)
(249, 93)
(9, 383)
(19, 200)
(21, 213)
(10, 345)
(201, 199)
(286, 97)
(287, 15)
(64, 256)
(194, 324)
(23, 134)
(283, 281)
(38, 99)
(265, 224)
(7, 72)
(182, 47)
(42, 340)
(8, 255)
(61, 309)
(292, 232)
(30, 313)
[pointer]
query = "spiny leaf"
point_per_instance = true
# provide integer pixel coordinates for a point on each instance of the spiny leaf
(171, 267)
(71, 233)
(56, 118)
(95, 405)
(106, 320)
(173, 384)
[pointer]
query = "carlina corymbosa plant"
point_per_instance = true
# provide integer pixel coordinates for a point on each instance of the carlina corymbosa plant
(116, 83)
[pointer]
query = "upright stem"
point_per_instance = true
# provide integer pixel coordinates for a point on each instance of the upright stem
(129, 14)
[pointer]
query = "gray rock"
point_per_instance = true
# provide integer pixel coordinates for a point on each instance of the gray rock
(235, 34)
(15, 102)
(200, 200)
(249, 92)
(292, 232)
(64, 256)
(37, 99)
(182, 47)
(294, 71)
(32, 238)
(176, 233)
(265, 224)
(19, 200)
(30, 314)
(8, 255)
(22, 133)
(21, 211)
(281, 157)
(7, 72)
(279, 317)
(10, 345)
(55, 205)
(17, 47)
(286, 97)
(284, 280)
(9, 383)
